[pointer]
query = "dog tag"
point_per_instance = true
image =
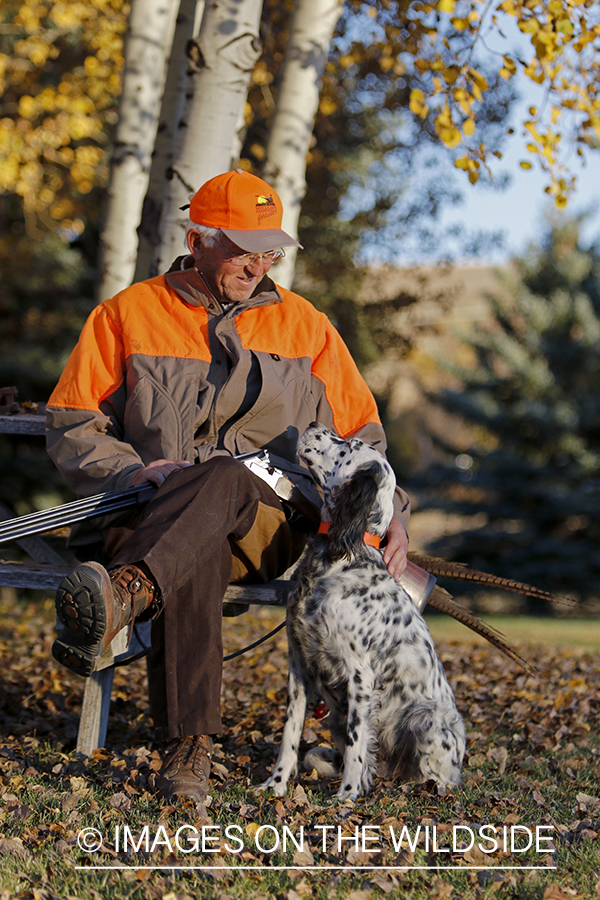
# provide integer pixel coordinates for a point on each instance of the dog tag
(418, 584)
(321, 710)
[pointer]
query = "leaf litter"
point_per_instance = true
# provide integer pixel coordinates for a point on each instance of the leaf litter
(532, 760)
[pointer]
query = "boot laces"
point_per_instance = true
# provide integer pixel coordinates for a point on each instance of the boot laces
(188, 752)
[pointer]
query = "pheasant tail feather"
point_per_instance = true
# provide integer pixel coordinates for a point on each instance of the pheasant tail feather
(457, 571)
(442, 601)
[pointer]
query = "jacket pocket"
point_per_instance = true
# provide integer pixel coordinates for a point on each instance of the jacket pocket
(152, 421)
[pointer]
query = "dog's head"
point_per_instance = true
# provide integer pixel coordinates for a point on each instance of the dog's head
(440, 735)
(357, 483)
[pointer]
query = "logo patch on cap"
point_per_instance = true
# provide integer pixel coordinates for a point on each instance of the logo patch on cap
(265, 206)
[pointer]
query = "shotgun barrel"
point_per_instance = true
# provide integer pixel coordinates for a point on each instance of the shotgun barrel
(76, 511)
(258, 461)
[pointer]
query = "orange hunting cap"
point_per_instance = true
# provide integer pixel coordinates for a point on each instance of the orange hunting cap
(245, 208)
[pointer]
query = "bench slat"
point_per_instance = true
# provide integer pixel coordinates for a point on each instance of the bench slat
(37, 577)
(22, 424)
(43, 577)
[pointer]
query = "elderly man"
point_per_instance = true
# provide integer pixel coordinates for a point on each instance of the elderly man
(170, 380)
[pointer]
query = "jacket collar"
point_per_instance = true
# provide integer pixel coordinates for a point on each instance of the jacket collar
(189, 284)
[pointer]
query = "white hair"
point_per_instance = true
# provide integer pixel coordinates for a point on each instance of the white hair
(210, 236)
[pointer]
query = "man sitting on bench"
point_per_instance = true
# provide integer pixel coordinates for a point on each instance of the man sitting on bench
(169, 381)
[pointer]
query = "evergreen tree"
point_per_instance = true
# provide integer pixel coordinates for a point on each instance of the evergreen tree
(533, 395)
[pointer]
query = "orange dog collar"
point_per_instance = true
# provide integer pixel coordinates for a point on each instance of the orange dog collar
(373, 540)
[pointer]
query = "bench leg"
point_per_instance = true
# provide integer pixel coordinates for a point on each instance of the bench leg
(94, 711)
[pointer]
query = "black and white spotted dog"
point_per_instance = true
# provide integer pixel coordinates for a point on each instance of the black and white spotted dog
(357, 639)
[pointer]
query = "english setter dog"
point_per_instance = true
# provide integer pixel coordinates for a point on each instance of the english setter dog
(358, 640)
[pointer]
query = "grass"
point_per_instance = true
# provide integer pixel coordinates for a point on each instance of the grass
(532, 760)
(571, 634)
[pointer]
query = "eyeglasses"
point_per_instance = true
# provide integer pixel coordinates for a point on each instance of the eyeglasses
(246, 259)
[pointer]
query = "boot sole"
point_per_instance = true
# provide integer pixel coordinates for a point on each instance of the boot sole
(79, 644)
(79, 658)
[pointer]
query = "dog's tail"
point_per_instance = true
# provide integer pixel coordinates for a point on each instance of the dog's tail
(441, 568)
(326, 760)
(442, 600)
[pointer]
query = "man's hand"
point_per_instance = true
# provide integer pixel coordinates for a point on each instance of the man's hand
(160, 469)
(394, 554)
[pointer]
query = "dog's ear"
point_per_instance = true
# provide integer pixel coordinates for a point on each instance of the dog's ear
(419, 720)
(353, 503)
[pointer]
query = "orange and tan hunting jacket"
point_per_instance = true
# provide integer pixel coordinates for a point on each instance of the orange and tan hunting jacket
(163, 371)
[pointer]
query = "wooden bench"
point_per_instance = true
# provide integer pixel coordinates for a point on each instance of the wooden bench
(46, 570)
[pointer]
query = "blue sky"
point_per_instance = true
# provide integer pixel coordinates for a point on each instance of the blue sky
(520, 210)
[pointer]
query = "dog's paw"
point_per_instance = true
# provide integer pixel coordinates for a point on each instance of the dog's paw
(259, 788)
(348, 792)
(277, 786)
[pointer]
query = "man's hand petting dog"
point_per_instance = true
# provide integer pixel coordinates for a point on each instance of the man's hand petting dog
(357, 640)
(396, 549)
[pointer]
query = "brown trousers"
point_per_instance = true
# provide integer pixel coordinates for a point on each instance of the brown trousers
(206, 526)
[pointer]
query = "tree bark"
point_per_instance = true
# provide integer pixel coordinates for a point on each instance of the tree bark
(312, 29)
(221, 60)
(187, 24)
(150, 32)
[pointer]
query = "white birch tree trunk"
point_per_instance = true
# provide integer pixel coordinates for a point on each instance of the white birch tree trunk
(223, 57)
(312, 29)
(148, 41)
(186, 26)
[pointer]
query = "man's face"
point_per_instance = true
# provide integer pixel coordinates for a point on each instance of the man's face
(229, 281)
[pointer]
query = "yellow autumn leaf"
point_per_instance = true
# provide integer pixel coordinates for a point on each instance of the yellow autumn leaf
(529, 26)
(327, 106)
(446, 6)
(532, 129)
(451, 74)
(479, 79)
(417, 103)
(469, 127)
(444, 118)
(27, 107)
(565, 26)
(525, 165)
(450, 137)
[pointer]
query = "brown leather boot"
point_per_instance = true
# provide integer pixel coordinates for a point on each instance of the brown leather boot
(94, 605)
(186, 769)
